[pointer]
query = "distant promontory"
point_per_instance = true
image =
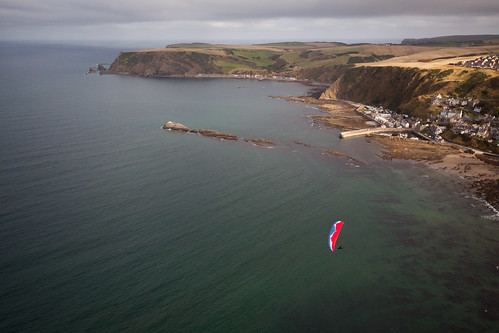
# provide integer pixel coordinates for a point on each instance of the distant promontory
(400, 77)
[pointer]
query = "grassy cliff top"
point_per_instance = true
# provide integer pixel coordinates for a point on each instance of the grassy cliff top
(287, 56)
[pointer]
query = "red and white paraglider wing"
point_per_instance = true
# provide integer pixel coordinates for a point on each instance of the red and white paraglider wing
(333, 234)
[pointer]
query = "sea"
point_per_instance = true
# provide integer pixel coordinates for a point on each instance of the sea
(108, 223)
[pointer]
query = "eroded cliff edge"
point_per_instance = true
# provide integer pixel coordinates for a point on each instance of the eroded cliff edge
(403, 89)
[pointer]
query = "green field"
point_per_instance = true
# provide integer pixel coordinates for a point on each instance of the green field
(284, 57)
(257, 59)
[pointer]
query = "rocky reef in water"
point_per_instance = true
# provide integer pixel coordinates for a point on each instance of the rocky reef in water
(205, 132)
(217, 134)
(177, 127)
(101, 69)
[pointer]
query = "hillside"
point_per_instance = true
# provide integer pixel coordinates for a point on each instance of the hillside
(400, 77)
(409, 90)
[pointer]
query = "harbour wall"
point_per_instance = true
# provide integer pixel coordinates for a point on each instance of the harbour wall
(367, 131)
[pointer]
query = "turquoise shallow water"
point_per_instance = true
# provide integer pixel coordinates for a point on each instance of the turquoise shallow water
(108, 223)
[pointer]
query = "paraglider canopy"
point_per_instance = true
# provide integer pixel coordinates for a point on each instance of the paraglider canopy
(333, 234)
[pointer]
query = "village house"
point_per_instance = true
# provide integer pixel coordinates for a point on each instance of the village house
(453, 115)
(436, 100)
(446, 113)
(489, 62)
(494, 133)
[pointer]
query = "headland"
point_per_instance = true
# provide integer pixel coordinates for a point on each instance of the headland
(444, 89)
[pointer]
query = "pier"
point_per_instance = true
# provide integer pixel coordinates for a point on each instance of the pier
(367, 131)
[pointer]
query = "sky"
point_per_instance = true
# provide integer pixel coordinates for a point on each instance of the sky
(253, 21)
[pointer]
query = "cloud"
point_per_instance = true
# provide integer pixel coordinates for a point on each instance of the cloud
(128, 11)
(74, 18)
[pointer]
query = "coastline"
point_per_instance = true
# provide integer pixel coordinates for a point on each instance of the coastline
(257, 77)
(478, 175)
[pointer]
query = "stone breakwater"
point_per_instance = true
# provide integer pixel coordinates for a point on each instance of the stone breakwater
(368, 131)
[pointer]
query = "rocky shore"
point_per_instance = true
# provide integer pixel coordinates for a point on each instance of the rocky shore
(337, 113)
(478, 172)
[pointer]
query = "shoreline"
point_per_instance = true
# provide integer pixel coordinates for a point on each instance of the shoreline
(478, 174)
(257, 77)
(482, 178)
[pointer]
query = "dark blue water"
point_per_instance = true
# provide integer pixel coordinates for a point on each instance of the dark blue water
(109, 223)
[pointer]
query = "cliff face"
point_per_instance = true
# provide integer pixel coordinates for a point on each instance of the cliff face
(392, 87)
(407, 90)
(161, 64)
